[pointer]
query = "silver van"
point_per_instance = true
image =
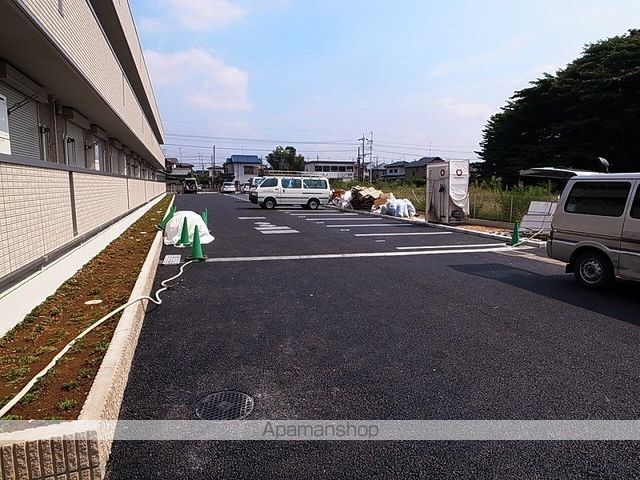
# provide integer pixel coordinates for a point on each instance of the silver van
(596, 228)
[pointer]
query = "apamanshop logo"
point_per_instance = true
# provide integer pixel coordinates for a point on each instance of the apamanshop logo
(324, 431)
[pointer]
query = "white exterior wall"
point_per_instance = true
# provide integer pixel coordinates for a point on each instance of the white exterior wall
(311, 168)
(79, 35)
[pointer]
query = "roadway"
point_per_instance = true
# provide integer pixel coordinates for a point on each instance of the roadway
(352, 317)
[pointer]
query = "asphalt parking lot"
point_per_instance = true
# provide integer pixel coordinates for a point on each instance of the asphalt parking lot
(353, 317)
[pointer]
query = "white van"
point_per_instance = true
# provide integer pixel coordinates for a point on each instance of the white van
(303, 191)
(596, 228)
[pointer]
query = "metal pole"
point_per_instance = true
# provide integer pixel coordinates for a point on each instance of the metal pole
(511, 211)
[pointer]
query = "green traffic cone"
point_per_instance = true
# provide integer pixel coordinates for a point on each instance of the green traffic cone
(196, 247)
(184, 234)
(515, 234)
(165, 220)
(205, 216)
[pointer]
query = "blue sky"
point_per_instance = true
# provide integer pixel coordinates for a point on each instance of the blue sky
(424, 76)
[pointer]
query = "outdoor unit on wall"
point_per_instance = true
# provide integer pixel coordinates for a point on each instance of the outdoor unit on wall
(5, 140)
(448, 191)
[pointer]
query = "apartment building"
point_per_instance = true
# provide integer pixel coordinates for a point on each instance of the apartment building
(80, 130)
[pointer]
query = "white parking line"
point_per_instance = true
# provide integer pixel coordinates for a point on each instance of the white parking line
(272, 232)
(354, 255)
(399, 234)
(345, 219)
(433, 247)
(323, 214)
(373, 225)
(251, 218)
(271, 227)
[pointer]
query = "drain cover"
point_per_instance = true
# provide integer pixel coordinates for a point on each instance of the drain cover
(225, 406)
(172, 260)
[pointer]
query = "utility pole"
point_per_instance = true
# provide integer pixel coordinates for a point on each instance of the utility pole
(213, 165)
(364, 156)
(358, 166)
(371, 150)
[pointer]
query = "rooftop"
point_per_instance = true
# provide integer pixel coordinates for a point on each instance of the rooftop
(251, 159)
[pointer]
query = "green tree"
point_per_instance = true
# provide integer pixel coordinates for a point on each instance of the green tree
(285, 158)
(587, 110)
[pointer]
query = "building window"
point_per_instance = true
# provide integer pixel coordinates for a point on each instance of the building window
(606, 199)
(248, 171)
(318, 168)
(326, 168)
(334, 168)
(342, 169)
(635, 208)
(349, 169)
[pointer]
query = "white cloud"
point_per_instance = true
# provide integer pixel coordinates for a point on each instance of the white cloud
(195, 14)
(464, 109)
(480, 59)
(204, 81)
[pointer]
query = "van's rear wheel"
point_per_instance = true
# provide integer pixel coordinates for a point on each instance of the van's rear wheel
(313, 204)
(270, 204)
(593, 270)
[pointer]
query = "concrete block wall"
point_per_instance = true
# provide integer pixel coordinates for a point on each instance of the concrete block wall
(70, 457)
(36, 208)
(35, 217)
(98, 199)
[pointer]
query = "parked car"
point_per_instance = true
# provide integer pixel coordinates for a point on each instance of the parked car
(596, 228)
(306, 192)
(228, 187)
(245, 187)
(190, 185)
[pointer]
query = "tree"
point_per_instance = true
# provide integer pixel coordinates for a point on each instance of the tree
(285, 158)
(587, 110)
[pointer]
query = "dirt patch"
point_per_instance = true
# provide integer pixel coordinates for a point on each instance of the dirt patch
(31, 344)
(480, 228)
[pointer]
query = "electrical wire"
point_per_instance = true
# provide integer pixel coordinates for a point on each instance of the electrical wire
(157, 300)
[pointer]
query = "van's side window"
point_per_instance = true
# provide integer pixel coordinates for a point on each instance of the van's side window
(314, 183)
(635, 208)
(598, 198)
(270, 182)
(291, 183)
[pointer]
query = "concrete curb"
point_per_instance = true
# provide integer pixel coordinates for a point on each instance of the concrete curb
(83, 454)
(415, 221)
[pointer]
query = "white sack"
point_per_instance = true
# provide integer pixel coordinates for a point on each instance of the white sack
(174, 228)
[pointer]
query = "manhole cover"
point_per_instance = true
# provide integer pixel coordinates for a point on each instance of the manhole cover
(225, 406)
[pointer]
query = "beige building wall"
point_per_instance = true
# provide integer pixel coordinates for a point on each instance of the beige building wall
(79, 35)
(36, 216)
(98, 199)
(128, 26)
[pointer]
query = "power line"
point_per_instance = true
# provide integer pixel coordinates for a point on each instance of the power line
(260, 140)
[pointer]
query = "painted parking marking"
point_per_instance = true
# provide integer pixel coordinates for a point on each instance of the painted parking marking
(356, 255)
(273, 232)
(380, 241)
(271, 227)
(323, 214)
(434, 247)
(252, 218)
(345, 230)
(399, 234)
(344, 219)
(373, 225)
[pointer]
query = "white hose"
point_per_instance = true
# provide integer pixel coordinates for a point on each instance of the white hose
(157, 300)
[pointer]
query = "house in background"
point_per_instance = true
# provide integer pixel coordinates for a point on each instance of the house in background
(344, 170)
(394, 172)
(176, 173)
(418, 170)
(377, 172)
(243, 167)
